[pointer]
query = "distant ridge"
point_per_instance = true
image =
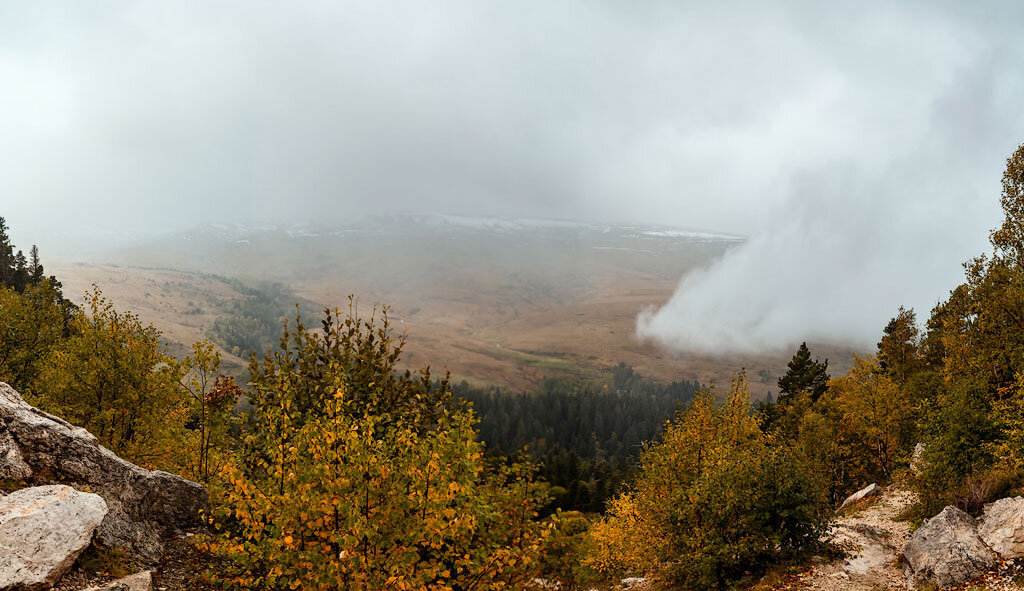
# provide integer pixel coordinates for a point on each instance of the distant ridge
(432, 222)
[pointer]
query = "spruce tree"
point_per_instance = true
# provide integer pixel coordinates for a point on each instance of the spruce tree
(6, 255)
(34, 266)
(803, 375)
(20, 275)
(801, 386)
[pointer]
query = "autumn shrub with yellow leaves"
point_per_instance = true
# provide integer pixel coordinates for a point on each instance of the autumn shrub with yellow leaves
(344, 490)
(716, 498)
(112, 376)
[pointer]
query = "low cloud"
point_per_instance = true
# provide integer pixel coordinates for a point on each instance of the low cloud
(850, 244)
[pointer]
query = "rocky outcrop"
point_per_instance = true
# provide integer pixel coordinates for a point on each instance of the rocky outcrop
(947, 550)
(12, 464)
(138, 582)
(1002, 527)
(864, 493)
(144, 506)
(42, 531)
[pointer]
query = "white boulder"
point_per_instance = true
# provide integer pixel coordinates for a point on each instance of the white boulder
(143, 507)
(864, 493)
(42, 531)
(1002, 527)
(138, 582)
(947, 550)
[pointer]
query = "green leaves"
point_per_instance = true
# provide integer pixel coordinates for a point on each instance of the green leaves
(716, 497)
(112, 377)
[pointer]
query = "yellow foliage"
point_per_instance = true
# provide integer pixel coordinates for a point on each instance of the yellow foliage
(875, 410)
(715, 498)
(341, 490)
(112, 376)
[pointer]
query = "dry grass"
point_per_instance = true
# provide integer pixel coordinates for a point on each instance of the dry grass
(487, 328)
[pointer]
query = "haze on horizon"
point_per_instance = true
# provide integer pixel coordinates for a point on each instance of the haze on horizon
(858, 145)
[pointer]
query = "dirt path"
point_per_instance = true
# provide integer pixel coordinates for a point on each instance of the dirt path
(874, 540)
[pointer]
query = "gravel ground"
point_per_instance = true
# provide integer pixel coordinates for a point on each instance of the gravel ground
(874, 540)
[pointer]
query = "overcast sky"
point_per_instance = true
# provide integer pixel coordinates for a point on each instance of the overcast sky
(859, 145)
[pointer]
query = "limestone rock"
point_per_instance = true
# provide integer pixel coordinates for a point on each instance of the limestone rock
(138, 582)
(12, 464)
(947, 550)
(42, 531)
(1002, 527)
(144, 506)
(868, 491)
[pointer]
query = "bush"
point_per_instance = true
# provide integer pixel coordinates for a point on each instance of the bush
(960, 435)
(982, 488)
(716, 498)
(360, 478)
(32, 324)
(113, 377)
(561, 560)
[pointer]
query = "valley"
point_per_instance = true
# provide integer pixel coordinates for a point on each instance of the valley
(499, 302)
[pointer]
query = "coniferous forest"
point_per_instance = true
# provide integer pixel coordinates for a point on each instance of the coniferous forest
(587, 435)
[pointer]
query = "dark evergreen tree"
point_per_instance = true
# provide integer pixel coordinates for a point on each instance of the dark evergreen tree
(20, 275)
(18, 272)
(804, 382)
(35, 267)
(803, 375)
(6, 255)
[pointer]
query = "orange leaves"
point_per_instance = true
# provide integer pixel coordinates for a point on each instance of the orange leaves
(378, 504)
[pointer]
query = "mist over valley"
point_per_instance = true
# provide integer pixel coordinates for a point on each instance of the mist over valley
(498, 301)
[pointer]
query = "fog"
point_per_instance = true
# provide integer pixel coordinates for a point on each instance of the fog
(858, 145)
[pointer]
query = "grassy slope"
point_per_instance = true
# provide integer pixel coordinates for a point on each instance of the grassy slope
(495, 309)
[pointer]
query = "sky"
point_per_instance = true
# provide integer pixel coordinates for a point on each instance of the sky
(859, 145)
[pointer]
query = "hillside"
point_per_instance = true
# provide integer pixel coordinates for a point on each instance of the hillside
(499, 301)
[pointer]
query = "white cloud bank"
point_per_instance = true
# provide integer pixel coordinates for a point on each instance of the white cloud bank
(877, 182)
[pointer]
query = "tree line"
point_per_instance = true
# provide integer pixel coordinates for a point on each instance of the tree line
(585, 433)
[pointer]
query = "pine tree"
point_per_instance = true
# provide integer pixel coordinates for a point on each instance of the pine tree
(802, 385)
(20, 276)
(803, 375)
(6, 255)
(34, 266)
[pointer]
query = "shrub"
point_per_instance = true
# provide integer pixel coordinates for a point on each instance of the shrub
(959, 434)
(342, 489)
(211, 396)
(716, 498)
(561, 560)
(113, 377)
